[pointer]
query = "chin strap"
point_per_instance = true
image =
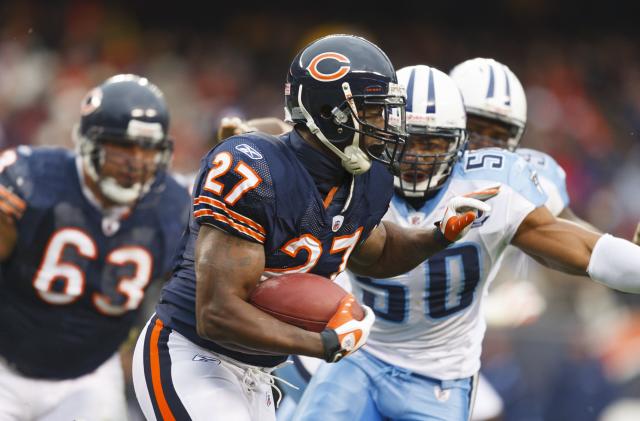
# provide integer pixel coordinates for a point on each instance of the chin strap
(353, 159)
(122, 195)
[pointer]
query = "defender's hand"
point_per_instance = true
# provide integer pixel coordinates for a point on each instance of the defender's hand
(344, 334)
(461, 211)
(636, 236)
(231, 126)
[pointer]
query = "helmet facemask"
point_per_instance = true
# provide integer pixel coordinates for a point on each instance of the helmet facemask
(490, 131)
(121, 177)
(428, 159)
(377, 116)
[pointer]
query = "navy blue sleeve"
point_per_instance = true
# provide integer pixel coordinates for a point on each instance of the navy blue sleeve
(378, 198)
(174, 219)
(234, 189)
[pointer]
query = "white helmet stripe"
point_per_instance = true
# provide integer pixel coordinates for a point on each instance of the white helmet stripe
(507, 87)
(410, 95)
(490, 89)
(431, 96)
(431, 113)
(486, 94)
(420, 100)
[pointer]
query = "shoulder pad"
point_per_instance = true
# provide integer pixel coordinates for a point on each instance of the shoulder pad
(504, 167)
(235, 188)
(552, 177)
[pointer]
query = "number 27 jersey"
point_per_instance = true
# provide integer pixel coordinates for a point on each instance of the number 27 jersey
(428, 320)
(255, 187)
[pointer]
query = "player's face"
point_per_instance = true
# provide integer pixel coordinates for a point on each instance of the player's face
(373, 115)
(129, 164)
(485, 133)
(420, 154)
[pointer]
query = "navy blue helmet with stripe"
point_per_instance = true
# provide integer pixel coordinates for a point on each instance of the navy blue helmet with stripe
(329, 84)
(125, 110)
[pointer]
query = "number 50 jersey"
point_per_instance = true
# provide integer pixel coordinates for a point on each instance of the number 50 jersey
(429, 320)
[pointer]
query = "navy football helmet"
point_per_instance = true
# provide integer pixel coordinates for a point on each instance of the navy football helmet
(330, 86)
(125, 110)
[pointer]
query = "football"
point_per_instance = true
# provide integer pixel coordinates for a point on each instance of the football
(301, 299)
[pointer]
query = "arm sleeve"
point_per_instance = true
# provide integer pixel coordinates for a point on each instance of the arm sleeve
(614, 263)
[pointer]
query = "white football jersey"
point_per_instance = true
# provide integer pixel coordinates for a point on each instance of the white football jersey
(429, 320)
(552, 178)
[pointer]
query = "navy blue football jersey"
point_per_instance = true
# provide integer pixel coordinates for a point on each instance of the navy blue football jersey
(70, 290)
(256, 187)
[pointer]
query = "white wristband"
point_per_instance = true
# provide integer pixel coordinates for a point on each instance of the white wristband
(616, 263)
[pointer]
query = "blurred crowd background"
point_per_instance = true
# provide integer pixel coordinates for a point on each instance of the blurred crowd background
(579, 63)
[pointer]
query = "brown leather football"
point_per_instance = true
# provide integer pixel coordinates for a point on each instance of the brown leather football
(301, 299)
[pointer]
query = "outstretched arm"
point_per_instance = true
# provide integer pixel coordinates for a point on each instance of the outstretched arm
(556, 243)
(392, 250)
(568, 247)
(569, 215)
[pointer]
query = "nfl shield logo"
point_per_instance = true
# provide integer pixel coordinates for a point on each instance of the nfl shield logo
(110, 226)
(416, 218)
(337, 222)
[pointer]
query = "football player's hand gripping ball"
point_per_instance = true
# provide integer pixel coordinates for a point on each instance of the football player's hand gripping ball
(344, 333)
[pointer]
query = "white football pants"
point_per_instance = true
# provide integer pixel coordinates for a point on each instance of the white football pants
(95, 396)
(175, 379)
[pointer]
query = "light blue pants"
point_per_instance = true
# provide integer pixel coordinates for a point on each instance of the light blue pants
(342, 391)
(298, 375)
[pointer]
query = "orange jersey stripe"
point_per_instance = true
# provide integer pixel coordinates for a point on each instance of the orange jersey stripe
(12, 198)
(329, 198)
(154, 358)
(8, 210)
(235, 215)
(206, 212)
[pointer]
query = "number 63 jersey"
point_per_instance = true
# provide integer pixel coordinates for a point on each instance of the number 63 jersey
(71, 287)
(429, 320)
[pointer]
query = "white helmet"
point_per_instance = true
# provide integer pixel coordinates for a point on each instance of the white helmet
(434, 111)
(491, 91)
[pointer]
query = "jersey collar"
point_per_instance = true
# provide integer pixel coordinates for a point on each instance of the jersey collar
(325, 171)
